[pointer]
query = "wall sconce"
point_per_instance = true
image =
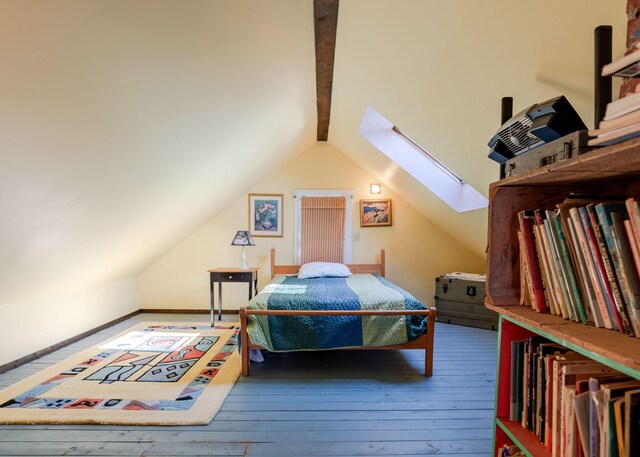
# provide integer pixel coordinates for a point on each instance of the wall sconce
(375, 188)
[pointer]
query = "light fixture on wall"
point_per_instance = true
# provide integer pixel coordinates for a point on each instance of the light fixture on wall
(375, 188)
(243, 238)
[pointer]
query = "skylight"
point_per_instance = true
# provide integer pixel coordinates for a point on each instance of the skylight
(416, 161)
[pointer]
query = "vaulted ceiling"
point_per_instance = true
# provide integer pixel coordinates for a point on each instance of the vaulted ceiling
(125, 125)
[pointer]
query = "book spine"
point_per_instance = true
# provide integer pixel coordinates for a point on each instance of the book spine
(613, 263)
(599, 267)
(538, 298)
(601, 309)
(559, 283)
(614, 291)
(549, 267)
(568, 267)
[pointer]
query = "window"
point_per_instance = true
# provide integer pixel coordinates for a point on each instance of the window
(419, 163)
(322, 225)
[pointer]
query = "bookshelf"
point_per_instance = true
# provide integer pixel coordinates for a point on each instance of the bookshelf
(612, 170)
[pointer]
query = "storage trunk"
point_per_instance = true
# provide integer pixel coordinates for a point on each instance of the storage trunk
(460, 301)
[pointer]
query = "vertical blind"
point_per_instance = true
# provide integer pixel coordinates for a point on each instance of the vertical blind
(322, 237)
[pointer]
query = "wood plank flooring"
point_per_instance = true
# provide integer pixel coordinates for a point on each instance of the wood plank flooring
(338, 403)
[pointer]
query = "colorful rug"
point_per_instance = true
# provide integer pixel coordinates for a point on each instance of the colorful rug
(151, 374)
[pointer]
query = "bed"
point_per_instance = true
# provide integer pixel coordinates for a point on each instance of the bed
(362, 317)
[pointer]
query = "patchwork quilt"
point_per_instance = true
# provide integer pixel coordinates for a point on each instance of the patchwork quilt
(357, 292)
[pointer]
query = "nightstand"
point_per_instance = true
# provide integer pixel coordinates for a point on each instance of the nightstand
(221, 275)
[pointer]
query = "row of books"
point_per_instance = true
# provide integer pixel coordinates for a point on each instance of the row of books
(622, 116)
(575, 406)
(581, 261)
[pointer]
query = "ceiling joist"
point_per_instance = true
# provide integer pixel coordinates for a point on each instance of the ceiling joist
(325, 18)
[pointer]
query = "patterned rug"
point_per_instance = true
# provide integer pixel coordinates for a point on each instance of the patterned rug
(151, 374)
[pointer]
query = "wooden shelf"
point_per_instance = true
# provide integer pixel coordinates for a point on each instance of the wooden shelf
(617, 350)
(619, 161)
(523, 438)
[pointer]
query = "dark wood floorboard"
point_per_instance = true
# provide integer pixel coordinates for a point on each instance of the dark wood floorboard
(335, 403)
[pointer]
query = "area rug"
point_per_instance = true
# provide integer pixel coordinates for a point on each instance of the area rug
(151, 374)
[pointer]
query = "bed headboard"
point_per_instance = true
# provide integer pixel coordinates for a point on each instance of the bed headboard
(362, 268)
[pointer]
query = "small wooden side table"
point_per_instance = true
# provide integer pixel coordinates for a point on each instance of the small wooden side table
(221, 275)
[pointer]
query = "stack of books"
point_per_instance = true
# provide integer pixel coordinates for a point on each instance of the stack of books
(581, 261)
(622, 116)
(574, 405)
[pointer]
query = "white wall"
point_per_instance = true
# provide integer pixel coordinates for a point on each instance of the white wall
(29, 326)
(416, 250)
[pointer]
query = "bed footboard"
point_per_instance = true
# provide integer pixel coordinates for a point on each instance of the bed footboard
(424, 342)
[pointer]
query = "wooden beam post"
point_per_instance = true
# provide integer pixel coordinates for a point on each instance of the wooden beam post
(325, 18)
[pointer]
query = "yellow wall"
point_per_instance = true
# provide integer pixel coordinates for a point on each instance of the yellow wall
(416, 250)
(32, 325)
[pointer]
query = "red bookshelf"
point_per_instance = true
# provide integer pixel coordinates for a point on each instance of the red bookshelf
(613, 170)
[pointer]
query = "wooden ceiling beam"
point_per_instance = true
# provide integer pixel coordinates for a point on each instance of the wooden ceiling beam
(325, 18)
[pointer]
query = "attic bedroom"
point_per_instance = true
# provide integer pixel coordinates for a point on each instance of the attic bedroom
(139, 137)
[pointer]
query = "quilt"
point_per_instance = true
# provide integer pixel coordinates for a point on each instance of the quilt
(356, 292)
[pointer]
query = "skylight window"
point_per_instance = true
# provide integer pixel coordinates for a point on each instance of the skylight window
(416, 161)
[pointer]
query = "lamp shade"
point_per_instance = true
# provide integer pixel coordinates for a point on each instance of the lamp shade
(242, 238)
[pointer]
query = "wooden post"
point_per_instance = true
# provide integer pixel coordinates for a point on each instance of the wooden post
(382, 260)
(273, 263)
(428, 352)
(244, 342)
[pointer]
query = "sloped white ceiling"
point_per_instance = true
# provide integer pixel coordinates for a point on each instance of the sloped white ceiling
(126, 124)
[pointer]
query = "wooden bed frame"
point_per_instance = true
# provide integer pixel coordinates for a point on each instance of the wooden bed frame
(424, 342)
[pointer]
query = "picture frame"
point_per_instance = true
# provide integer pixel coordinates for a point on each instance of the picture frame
(265, 215)
(375, 212)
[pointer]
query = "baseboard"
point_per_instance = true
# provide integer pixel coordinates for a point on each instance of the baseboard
(187, 311)
(48, 350)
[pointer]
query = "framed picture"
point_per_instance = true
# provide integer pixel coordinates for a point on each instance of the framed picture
(375, 212)
(265, 214)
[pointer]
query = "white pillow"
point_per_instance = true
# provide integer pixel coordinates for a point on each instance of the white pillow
(322, 270)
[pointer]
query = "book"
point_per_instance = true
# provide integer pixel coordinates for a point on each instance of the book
(514, 376)
(525, 219)
(596, 408)
(603, 282)
(582, 275)
(633, 210)
(596, 245)
(625, 133)
(632, 423)
(635, 250)
(622, 106)
(556, 300)
(557, 276)
(610, 392)
(621, 63)
(617, 123)
(601, 310)
(613, 263)
(581, 412)
(567, 265)
(629, 278)
(618, 424)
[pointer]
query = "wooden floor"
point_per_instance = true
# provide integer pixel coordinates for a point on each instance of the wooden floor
(339, 403)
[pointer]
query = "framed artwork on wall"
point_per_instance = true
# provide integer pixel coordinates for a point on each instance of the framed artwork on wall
(375, 212)
(265, 215)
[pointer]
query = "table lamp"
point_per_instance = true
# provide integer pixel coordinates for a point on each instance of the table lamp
(243, 238)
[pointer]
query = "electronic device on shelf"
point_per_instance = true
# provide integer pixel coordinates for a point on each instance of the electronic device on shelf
(536, 125)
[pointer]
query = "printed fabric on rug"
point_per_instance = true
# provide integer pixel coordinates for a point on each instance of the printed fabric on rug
(151, 374)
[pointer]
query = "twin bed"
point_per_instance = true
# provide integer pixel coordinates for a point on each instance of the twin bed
(359, 311)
